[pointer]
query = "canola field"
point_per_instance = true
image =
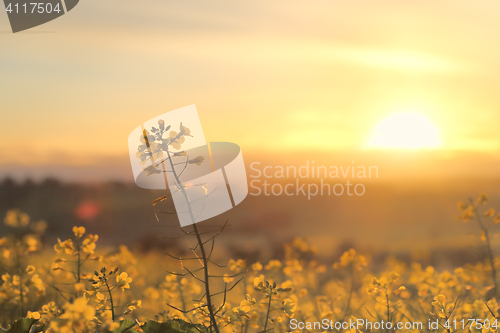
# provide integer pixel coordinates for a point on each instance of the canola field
(75, 286)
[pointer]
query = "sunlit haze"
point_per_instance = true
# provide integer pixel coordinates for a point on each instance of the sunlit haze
(405, 130)
(276, 77)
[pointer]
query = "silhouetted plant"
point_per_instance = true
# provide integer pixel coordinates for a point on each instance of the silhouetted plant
(156, 148)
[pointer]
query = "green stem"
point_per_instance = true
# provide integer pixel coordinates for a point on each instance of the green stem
(489, 251)
(201, 246)
(247, 322)
(110, 300)
(181, 294)
(19, 271)
(388, 309)
(78, 267)
(268, 310)
(207, 284)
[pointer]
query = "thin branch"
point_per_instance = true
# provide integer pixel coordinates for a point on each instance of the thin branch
(211, 249)
(186, 311)
(224, 300)
(216, 264)
(227, 276)
(180, 258)
(234, 285)
(197, 278)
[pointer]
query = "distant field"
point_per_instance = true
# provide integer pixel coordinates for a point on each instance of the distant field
(390, 217)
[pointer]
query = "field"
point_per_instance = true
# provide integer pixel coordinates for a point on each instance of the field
(75, 285)
(366, 131)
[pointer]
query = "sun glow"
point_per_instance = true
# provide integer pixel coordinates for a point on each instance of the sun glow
(405, 130)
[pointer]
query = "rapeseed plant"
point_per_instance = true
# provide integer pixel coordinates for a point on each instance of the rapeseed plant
(89, 289)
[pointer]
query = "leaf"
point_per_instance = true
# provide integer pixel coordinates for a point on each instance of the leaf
(171, 326)
(38, 329)
(160, 199)
(22, 325)
(126, 326)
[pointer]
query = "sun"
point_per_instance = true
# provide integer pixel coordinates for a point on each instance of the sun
(405, 130)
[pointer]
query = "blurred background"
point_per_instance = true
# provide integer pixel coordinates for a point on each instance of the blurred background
(410, 87)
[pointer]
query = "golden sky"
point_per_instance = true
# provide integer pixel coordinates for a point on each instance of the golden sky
(273, 76)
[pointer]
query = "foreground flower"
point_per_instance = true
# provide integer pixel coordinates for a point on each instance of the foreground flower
(123, 281)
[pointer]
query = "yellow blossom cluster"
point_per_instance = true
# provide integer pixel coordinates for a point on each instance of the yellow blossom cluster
(82, 288)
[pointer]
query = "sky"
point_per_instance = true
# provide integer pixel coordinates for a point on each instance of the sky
(280, 78)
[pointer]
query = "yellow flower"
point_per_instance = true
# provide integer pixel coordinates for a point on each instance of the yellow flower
(185, 130)
(31, 241)
(30, 269)
(490, 212)
(150, 170)
(15, 218)
(88, 293)
(351, 258)
(123, 281)
(482, 199)
(33, 315)
(302, 292)
(287, 284)
(257, 266)
(198, 160)
(399, 290)
(38, 283)
(66, 246)
(289, 305)
(79, 287)
(300, 244)
(88, 244)
(151, 293)
(16, 280)
(78, 310)
(100, 299)
(136, 303)
(273, 264)
(236, 266)
(292, 266)
(78, 231)
(176, 140)
(246, 304)
(240, 312)
(49, 307)
(393, 276)
(376, 282)
(468, 213)
(161, 124)
(258, 281)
